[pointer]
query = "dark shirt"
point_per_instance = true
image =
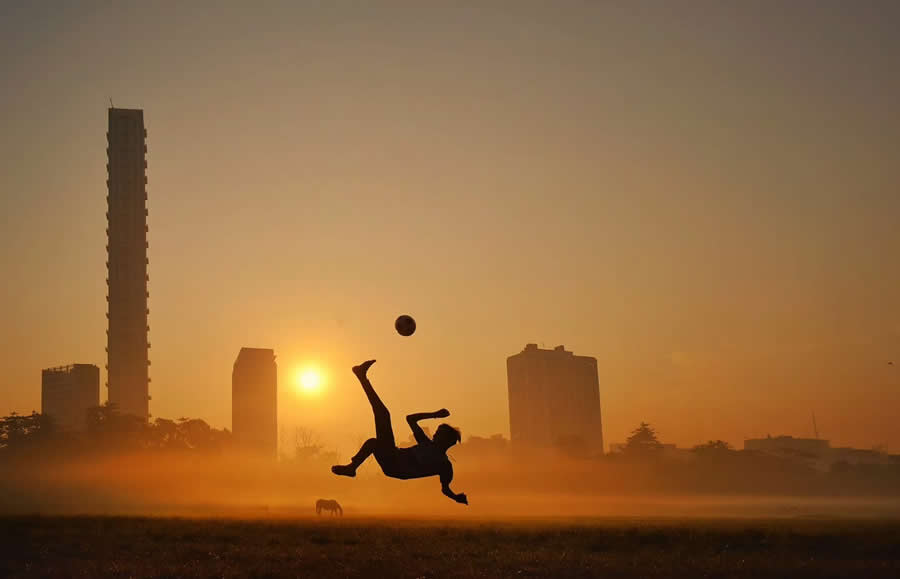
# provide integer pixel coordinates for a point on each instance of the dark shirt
(422, 460)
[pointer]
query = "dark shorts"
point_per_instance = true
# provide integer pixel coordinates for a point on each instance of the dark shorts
(388, 459)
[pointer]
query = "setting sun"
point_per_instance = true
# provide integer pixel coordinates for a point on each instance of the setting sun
(308, 380)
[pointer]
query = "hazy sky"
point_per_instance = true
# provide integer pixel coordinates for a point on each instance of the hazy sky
(703, 195)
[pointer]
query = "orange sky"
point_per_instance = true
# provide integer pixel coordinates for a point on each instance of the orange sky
(703, 196)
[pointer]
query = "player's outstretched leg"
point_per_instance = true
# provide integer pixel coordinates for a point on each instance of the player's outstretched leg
(365, 451)
(384, 433)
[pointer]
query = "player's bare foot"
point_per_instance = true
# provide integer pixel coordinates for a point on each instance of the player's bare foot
(344, 470)
(361, 370)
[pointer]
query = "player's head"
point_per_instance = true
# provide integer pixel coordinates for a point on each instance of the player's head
(446, 436)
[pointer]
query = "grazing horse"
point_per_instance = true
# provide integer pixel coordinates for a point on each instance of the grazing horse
(329, 505)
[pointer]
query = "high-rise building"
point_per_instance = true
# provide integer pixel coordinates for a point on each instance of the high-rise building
(127, 343)
(67, 392)
(254, 401)
(554, 399)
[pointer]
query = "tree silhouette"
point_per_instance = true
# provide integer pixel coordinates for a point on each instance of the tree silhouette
(308, 448)
(195, 433)
(642, 441)
(307, 444)
(107, 427)
(21, 430)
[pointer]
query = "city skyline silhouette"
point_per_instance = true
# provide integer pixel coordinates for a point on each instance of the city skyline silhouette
(709, 215)
(628, 270)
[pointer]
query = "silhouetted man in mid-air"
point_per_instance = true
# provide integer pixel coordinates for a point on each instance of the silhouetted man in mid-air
(427, 458)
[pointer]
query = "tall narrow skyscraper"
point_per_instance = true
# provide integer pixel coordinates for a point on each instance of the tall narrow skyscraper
(126, 216)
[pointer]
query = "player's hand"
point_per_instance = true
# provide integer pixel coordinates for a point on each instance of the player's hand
(442, 413)
(462, 499)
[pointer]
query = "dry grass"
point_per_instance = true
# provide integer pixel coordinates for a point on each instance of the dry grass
(156, 547)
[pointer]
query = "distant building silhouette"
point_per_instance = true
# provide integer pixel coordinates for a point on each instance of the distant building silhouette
(858, 456)
(554, 399)
(789, 446)
(67, 392)
(254, 401)
(127, 341)
(815, 451)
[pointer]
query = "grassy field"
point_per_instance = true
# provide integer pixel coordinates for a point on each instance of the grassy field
(157, 547)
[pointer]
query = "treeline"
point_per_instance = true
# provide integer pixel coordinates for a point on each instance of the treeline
(644, 465)
(106, 429)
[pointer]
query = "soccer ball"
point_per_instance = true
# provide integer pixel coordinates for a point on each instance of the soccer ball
(405, 325)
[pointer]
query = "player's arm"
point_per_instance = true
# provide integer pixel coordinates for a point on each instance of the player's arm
(446, 477)
(413, 420)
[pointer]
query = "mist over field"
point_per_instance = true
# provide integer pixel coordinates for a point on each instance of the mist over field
(500, 487)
